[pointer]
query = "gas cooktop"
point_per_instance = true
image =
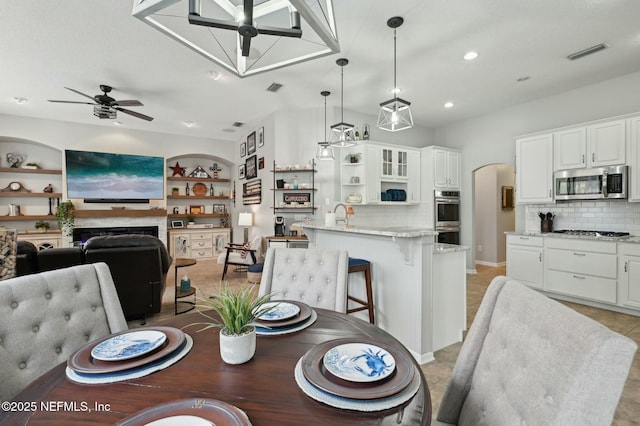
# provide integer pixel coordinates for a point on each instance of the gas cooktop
(580, 232)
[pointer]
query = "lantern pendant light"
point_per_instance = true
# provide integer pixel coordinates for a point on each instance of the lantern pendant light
(342, 134)
(395, 114)
(325, 150)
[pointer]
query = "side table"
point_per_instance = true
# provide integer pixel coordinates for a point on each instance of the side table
(182, 263)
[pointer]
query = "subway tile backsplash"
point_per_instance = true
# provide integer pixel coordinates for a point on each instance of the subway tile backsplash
(616, 215)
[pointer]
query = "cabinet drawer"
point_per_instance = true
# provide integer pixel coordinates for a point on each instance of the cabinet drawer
(278, 244)
(203, 236)
(582, 263)
(581, 245)
(200, 244)
(525, 240)
(583, 286)
(201, 253)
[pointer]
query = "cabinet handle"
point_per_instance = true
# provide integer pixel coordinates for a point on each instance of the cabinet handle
(582, 158)
(625, 266)
(593, 156)
(540, 257)
(579, 254)
(549, 193)
(579, 277)
(524, 238)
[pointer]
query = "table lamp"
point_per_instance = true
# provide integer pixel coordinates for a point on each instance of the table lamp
(245, 219)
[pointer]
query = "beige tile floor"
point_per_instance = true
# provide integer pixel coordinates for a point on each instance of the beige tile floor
(206, 276)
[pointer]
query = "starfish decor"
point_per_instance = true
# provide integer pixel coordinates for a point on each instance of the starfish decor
(177, 169)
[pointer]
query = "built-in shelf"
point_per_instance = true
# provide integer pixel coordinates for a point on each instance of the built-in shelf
(197, 197)
(195, 179)
(294, 171)
(28, 217)
(296, 189)
(32, 171)
(199, 215)
(31, 194)
(91, 214)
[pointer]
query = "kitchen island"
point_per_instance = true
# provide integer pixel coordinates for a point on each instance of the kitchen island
(419, 288)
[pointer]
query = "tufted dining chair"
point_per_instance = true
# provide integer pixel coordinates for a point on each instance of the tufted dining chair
(528, 359)
(45, 317)
(313, 276)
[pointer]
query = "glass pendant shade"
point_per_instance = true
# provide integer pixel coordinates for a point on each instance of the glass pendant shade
(325, 150)
(342, 134)
(395, 114)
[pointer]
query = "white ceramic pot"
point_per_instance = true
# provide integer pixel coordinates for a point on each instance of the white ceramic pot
(238, 349)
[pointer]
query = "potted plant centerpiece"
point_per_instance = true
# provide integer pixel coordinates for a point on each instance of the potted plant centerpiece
(238, 309)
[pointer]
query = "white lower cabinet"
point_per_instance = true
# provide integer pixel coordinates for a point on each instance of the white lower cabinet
(629, 289)
(585, 269)
(44, 240)
(197, 243)
(525, 259)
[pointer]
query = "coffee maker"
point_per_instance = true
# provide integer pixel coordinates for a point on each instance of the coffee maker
(279, 226)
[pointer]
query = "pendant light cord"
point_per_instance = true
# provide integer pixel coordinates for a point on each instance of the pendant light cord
(395, 85)
(325, 119)
(342, 93)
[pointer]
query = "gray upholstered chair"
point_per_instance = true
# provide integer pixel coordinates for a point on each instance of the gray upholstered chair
(45, 317)
(313, 276)
(530, 360)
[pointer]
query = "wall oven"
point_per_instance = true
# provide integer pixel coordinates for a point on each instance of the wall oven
(448, 235)
(447, 208)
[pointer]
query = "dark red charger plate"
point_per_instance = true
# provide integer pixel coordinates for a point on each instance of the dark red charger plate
(82, 362)
(315, 372)
(303, 315)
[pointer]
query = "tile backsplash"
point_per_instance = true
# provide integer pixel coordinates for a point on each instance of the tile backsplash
(618, 215)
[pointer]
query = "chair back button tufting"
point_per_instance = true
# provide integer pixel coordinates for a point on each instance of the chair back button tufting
(14, 305)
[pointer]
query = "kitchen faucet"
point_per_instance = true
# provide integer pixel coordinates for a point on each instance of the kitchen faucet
(346, 215)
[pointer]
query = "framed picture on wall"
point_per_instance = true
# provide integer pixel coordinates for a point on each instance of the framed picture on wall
(251, 143)
(261, 137)
(218, 209)
(243, 149)
(241, 171)
(251, 167)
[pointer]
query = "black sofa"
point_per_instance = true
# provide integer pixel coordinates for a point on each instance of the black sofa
(138, 265)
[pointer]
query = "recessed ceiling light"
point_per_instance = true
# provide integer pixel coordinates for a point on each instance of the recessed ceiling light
(20, 101)
(470, 56)
(523, 78)
(215, 74)
(188, 123)
(448, 105)
(117, 123)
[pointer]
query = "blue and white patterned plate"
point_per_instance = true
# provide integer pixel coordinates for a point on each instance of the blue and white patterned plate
(128, 345)
(359, 362)
(281, 311)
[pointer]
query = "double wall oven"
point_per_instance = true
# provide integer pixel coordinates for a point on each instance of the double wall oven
(447, 216)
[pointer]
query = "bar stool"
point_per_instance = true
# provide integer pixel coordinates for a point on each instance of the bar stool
(254, 273)
(362, 265)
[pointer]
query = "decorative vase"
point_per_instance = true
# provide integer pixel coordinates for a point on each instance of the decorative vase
(237, 349)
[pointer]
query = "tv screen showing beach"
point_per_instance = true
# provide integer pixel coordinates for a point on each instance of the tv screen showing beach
(100, 176)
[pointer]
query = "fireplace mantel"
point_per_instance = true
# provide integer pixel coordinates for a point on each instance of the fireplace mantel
(95, 214)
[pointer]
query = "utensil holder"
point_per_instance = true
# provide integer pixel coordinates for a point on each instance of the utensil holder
(546, 225)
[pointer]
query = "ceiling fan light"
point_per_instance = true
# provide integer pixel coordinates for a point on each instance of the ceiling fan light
(395, 115)
(104, 112)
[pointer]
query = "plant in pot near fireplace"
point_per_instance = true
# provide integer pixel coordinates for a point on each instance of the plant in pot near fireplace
(65, 213)
(238, 310)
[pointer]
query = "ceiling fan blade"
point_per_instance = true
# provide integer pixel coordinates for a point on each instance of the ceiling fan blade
(127, 103)
(135, 114)
(80, 93)
(72, 102)
(246, 45)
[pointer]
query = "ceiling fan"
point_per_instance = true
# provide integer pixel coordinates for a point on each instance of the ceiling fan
(246, 27)
(105, 106)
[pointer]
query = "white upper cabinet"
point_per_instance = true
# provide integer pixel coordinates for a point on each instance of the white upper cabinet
(446, 168)
(596, 145)
(534, 169)
(634, 158)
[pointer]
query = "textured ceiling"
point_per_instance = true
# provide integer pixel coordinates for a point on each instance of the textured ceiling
(47, 45)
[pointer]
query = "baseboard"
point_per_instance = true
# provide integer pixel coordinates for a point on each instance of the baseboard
(492, 264)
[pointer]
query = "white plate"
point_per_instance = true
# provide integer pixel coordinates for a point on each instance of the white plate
(282, 310)
(181, 421)
(359, 362)
(128, 345)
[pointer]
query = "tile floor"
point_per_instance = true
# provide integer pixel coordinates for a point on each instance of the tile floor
(438, 372)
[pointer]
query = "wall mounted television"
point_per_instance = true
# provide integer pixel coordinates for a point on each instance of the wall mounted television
(100, 177)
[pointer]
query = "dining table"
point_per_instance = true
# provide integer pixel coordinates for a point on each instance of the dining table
(264, 388)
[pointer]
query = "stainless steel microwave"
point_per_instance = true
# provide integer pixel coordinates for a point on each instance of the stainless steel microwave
(591, 184)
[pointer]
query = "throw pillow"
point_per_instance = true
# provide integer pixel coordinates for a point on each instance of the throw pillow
(245, 248)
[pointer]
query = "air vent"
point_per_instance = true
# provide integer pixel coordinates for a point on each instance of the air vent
(587, 51)
(238, 124)
(274, 87)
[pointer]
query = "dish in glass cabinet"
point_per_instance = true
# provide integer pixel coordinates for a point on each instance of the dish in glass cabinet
(280, 311)
(129, 345)
(359, 362)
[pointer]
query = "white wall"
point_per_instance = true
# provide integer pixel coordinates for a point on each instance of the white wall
(490, 138)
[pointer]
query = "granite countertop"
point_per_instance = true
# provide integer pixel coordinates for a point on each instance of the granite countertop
(440, 248)
(629, 239)
(400, 231)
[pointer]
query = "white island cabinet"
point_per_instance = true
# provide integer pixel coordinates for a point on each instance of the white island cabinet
(419, 288)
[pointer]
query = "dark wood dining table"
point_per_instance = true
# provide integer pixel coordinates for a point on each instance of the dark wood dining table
(264, 387)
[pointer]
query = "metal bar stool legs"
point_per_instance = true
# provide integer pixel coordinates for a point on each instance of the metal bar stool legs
(361, 265)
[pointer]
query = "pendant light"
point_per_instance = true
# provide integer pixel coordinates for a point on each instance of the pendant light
(395, 114)
(325, 150)
(342, 134)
